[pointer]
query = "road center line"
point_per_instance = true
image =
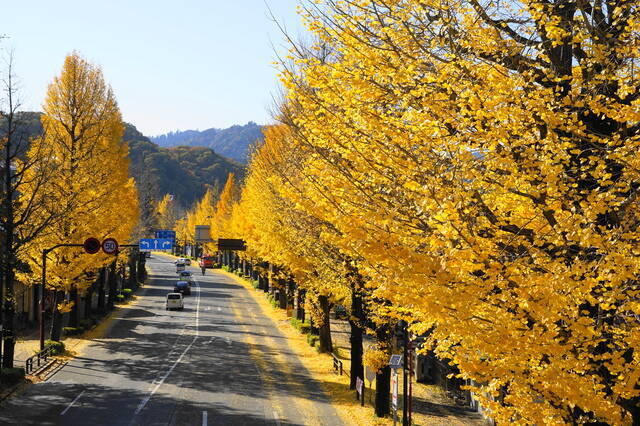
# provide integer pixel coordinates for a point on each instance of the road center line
(204, 418)
(144, 402)
(71, 404)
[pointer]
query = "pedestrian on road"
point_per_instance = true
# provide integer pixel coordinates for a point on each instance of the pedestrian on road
(203, 269)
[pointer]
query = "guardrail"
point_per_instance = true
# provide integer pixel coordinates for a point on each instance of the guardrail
(40, 359)
(337, 364)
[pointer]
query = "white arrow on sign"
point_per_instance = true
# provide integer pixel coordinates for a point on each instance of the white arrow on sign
(144, 244)
(166, 243)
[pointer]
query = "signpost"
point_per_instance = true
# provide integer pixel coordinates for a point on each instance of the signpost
(166, 234)
(110, 246)
(231, 244)
(360, 389)
(203, 234)
(91, 245)
(156, 244)
(394, 394)
(395, 363)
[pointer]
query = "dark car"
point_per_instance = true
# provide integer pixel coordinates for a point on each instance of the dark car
(182, 287)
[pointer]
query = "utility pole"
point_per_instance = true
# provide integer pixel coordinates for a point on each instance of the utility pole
(405, 373)
(91, 246)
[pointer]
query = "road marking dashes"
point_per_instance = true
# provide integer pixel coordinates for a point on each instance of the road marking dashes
(72, 402)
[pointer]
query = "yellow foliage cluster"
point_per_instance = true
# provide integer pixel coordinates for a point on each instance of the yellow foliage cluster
(477, 164)
(213, 210)
(482, 160)
(88, 191)
(375, 358)
(479, 161)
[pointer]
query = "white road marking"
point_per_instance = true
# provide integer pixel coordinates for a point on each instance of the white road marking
(144, 402)
(219, 309)
(228, 341)
(275, 417)
(72, 402)
(204, 418)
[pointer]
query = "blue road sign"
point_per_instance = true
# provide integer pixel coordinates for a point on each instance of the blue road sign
(156, 244)
(166, 233)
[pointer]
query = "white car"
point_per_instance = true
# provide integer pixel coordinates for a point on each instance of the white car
(175, 301)
(186, 276)
(183, 260)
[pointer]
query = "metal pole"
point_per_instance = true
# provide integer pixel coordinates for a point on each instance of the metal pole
(42, 286)
(405, 419)
(410, 379)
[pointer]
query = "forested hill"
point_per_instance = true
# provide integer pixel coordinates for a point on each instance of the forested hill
(233, 142)
(184, 171)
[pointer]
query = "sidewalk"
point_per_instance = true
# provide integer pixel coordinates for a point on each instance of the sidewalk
(430, 405)
(28, 343)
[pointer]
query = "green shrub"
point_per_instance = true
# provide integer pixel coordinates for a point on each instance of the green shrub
(127, 292)
(273, 301)
(120, 297)
(11, 376)
(57, 348)
(312, 340)
(255, 283)
(71, 331)
(226, 268)
(302, 327)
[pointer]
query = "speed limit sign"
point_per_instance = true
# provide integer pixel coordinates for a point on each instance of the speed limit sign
(110, 246)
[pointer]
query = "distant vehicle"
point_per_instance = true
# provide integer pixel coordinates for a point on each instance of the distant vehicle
(208, 261)
(174, 301)
(187, 261)
(186, 276)
(179, 267)
(182, 287)
(180, 260)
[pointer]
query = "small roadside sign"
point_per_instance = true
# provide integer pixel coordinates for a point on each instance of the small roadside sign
(110, 246)
(91, 245)
(394, 389)
(360, 390)
(369, 374)
(395, 362)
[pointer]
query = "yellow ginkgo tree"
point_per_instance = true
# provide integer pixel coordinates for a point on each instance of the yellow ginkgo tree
(481, 158)
(90, 185)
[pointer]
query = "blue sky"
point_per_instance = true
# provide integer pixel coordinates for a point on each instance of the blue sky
(189, 64)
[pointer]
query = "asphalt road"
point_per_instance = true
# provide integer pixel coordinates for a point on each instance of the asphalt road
(220, 361)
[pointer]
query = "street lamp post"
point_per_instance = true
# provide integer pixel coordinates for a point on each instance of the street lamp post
(45, 252)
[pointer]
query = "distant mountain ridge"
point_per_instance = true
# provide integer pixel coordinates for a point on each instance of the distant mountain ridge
(233, 142)
(184, 171)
